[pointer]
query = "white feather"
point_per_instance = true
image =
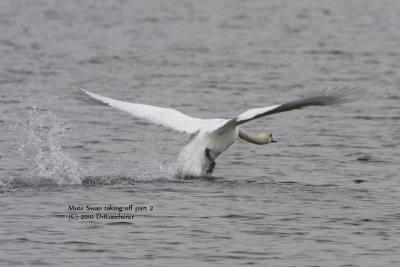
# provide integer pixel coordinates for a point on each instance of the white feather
(163, 116)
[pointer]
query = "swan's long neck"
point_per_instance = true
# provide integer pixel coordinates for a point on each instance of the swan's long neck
(260, 139)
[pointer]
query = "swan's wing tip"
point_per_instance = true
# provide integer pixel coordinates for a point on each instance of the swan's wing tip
(86, 92)
(339, 95)
(98, 99)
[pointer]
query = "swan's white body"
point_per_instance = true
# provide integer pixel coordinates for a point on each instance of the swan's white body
(192, 160)
(211, 137)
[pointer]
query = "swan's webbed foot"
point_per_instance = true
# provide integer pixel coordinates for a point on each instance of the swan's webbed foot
(211, 167)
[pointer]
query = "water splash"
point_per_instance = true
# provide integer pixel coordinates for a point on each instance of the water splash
(47, 163)
(47, 160)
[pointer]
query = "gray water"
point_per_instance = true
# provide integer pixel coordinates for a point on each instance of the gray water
(327, 194)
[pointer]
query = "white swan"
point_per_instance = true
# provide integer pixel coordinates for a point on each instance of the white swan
(210, 137)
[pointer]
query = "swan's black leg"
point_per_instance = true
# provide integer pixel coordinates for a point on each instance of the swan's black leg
(211, 167)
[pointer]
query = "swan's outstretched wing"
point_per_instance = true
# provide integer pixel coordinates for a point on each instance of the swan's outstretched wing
(163, 116)
(330, 96)
(337, 95)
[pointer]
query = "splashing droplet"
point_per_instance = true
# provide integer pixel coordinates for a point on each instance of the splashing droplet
(43, 151)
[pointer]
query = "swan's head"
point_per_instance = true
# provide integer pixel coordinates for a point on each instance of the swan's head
(259, 139)
(267, 137)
